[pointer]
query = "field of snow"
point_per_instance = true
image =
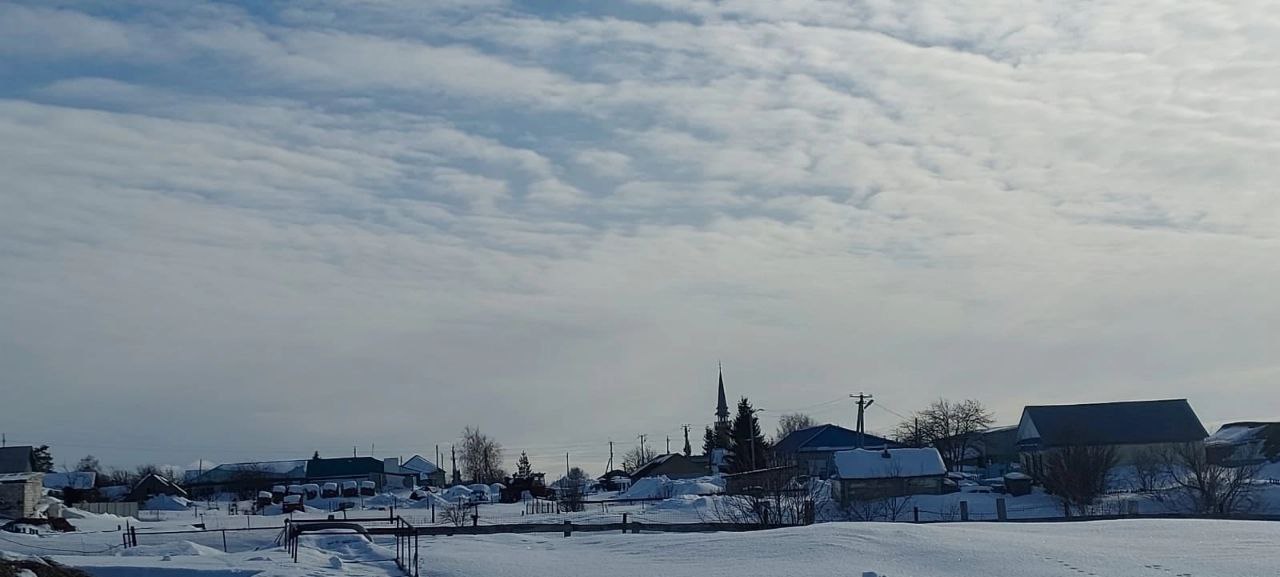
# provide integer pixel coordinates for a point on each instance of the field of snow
(1133, 548)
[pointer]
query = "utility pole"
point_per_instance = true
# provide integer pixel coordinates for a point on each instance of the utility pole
(610, 467)
(688, 450)
(566, 466)
(668, 444)
(864, 401)
(642, 437)
(353, 451)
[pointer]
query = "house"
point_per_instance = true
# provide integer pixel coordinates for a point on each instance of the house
(672, 466)
(1133, 428)
(864, 475)
(385, 474)
(768, 480)
(20, 493)
(615, 480)
(428, 473)
(813, 449)
(247, 479)
(17, 459)
(1244, 443)
(152, 485)
(989, 452)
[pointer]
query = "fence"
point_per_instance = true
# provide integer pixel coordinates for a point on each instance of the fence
(119, 509)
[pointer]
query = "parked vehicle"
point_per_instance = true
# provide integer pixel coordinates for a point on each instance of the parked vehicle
(368, 488)
(350, 489)
(311, 490)
(277, 493)
(293, 503)
(329, 490)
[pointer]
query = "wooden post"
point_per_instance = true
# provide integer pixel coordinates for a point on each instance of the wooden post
(917, 514)
(224, 541)
(624, 523)
(433, 511)
(1001, 512)
(964, 510)
(568, 528)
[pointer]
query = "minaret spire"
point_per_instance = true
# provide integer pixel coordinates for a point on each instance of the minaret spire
(722, 406)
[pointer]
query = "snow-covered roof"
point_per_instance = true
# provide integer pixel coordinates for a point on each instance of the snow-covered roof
(17, 477)
(1237, 433)
(863, 464)
(75, 479)
(420, 465)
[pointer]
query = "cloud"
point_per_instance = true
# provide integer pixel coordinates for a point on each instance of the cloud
(440, 215)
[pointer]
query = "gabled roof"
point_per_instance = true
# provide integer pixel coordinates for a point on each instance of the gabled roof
(828, 437)
(231, 472)
(420, 465)
(15, 459)
(670, 459)
(1122, 423)
(889, 463)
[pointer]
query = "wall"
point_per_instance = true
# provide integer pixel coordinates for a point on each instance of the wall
(20, 499)
(870, 489)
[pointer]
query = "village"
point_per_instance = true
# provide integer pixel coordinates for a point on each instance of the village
(950, 462)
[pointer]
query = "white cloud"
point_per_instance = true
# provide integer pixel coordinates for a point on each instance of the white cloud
(471, 219)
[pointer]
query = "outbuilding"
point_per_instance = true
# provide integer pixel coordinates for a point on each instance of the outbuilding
(863, 475)
(20, 494)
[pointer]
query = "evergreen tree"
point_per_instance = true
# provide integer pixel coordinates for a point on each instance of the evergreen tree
(41, 460)
(523, 469)
(89, 464)
(316, 456)
(749, 449)
(708, 442)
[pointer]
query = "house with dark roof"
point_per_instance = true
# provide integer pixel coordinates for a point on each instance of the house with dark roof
(386, 474)
(153, 485)
(813, 449)
(672, 466)
(247, 479)
(1244, 443)
(1133, 428)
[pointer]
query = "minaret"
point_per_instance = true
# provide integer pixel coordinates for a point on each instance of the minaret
(722, 406)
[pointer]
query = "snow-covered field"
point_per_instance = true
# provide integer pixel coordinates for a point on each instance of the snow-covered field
(1137, 548)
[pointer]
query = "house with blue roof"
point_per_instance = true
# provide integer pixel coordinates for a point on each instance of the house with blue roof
(813, 449)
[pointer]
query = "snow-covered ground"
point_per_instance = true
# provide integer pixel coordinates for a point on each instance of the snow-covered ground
(1137, 548)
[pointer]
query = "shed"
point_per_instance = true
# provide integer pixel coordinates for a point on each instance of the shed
(863, 475)
(20, 494)
(672, 466)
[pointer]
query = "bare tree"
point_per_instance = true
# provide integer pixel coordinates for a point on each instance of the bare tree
(776, 502)
(948, 426)
(1077, 474)
(1150, 467)
(1209, 488)
(456, 513)
(637, 457)
(481, 457)
(792, 422)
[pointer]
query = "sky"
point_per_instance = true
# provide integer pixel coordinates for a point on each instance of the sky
(252, 231)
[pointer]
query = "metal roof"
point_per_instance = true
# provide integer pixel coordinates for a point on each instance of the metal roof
(830, 438)
(1121, 423)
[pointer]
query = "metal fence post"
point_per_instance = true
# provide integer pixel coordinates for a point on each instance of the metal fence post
(224, 541)
(568, 528)
(1001, 512)
(917, 514)
(964, 510)
(624, 523)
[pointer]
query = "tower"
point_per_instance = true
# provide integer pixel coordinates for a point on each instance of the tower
(722, 407)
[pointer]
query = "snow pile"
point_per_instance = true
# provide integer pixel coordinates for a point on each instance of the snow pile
(662, 487)
(166, 503)
(174, 549)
